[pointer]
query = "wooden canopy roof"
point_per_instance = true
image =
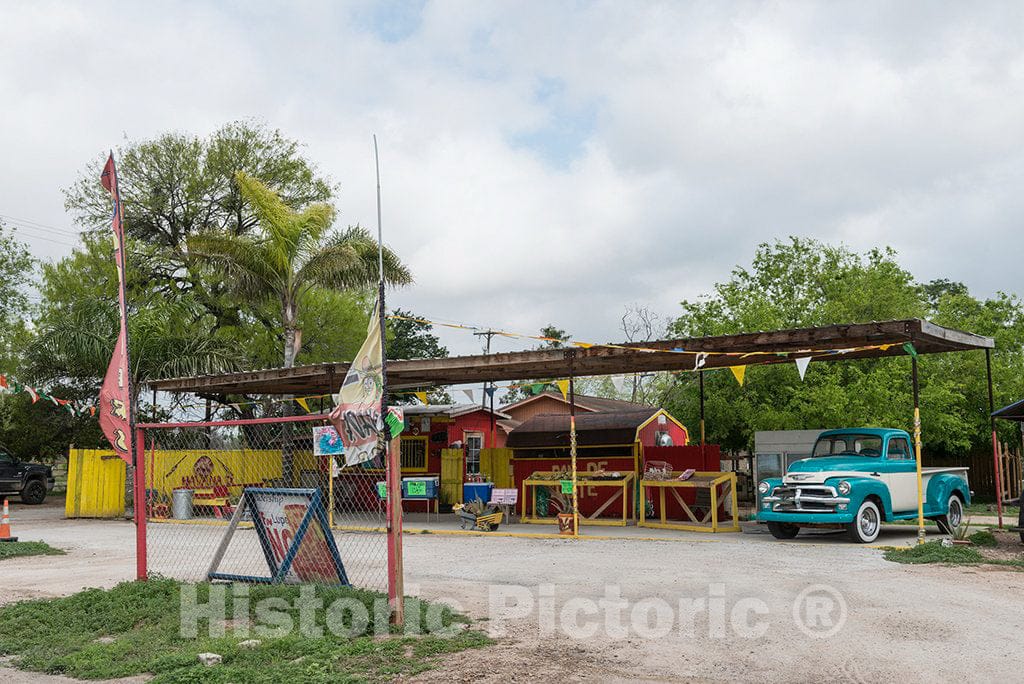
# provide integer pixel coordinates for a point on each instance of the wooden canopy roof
(825, 343)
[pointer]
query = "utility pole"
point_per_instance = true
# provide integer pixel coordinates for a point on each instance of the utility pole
(483, 400)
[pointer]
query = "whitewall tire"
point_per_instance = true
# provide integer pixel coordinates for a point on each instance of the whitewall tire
(867, 524)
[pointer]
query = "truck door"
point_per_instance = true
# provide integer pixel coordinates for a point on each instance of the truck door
(10, 473)
(900, 475)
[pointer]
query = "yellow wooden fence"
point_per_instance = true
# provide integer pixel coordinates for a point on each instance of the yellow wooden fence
(96, 480)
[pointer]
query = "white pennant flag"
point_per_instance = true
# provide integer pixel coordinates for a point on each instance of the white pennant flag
(619, 383)
(700, 360)
(469, 395)
(801, 365)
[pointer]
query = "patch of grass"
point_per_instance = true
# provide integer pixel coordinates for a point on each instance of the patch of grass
(134, 628)
(935, 552)
(985, 539)
(28, 548)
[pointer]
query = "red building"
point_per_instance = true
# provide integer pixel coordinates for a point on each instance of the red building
(429, 429)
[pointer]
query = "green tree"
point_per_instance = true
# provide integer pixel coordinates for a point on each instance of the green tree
(74, 349)
(17, 271)
(294, 254)
(178, 185)
(805, 283)
(412, 339)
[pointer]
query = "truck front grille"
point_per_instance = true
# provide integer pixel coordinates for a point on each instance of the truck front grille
(805, 499)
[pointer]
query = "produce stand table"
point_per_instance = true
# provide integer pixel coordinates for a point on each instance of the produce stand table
(623, 483)
(700, 480)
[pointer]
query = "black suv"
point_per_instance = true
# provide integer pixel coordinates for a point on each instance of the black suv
(29, 480)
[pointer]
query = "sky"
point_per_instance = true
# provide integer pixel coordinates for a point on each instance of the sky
(556, 162)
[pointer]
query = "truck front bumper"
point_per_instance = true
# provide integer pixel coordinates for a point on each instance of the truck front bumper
(838, 518)
(810, 504)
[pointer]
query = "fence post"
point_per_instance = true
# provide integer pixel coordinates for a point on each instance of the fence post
(394, 524)
(140, 505)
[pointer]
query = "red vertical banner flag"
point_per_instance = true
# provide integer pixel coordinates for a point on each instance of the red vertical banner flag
(115, 407)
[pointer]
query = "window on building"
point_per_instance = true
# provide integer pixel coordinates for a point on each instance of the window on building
(414, 453)
(474, 443)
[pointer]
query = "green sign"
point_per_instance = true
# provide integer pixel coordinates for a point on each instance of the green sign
(567, 486)
(382, 490)
(416, 488)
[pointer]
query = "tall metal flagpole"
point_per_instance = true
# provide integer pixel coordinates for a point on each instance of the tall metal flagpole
(394, 480)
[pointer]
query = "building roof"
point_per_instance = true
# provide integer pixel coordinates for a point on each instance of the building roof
(824, 343)
(583, 401)
(592, 429)
(1014, 411)
(450, 410)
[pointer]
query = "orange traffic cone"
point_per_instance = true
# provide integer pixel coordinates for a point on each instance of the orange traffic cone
(5, 526)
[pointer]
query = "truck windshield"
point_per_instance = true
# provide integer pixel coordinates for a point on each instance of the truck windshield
(852, 445)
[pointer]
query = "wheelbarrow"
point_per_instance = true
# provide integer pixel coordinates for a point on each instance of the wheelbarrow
(485, 522)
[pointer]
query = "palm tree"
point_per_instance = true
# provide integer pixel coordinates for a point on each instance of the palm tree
(294, 254)
(164, 341)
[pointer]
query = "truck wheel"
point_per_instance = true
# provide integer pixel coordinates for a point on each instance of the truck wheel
(954, 515)
(34, 492)
(866, 524)
(783, 530)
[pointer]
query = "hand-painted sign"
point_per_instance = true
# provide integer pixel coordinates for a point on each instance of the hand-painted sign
(327, 441)
(292, 528)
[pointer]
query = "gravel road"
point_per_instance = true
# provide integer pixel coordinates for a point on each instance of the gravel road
(589, 610)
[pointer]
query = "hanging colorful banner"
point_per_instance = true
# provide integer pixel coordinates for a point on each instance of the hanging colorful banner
(422, 396)
(357, 411)
(739, 372)
(115, 394)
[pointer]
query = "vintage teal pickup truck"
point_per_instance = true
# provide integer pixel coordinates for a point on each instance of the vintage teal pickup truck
(858, 478)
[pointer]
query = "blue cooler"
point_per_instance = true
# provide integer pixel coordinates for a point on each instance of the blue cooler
(471, 491)
(420, 487)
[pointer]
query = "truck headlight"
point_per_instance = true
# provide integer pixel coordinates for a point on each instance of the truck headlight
(844, 487)
(763, 487)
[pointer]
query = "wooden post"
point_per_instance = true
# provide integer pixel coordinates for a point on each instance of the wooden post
(396, 584)
(995, 443)
(917, 450)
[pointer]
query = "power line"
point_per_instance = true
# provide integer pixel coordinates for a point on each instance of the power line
(41, 226)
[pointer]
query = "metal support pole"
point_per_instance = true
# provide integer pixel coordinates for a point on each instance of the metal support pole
(572, 443)
(995, 442)
(141, 563)
(700, 382)
(917, 450)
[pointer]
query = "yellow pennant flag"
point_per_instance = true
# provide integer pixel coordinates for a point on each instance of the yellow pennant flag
(301, 401)
(422, 396)
(739, 372)
(564, 386)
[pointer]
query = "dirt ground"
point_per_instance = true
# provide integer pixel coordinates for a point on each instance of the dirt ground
(912, 623)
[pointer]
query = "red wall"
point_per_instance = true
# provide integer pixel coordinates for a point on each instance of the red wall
(707, 459)
(590, 498)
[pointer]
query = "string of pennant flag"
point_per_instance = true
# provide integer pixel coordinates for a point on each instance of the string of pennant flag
(9, 385)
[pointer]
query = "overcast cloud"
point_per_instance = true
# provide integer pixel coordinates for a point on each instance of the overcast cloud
(553, 162)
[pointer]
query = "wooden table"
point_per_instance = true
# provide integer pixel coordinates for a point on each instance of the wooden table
(623, 484)
(700, 480)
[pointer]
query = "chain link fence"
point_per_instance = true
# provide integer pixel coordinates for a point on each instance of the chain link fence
(262, 500)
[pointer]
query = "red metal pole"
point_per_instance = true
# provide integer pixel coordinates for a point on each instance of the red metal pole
(141, 561)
